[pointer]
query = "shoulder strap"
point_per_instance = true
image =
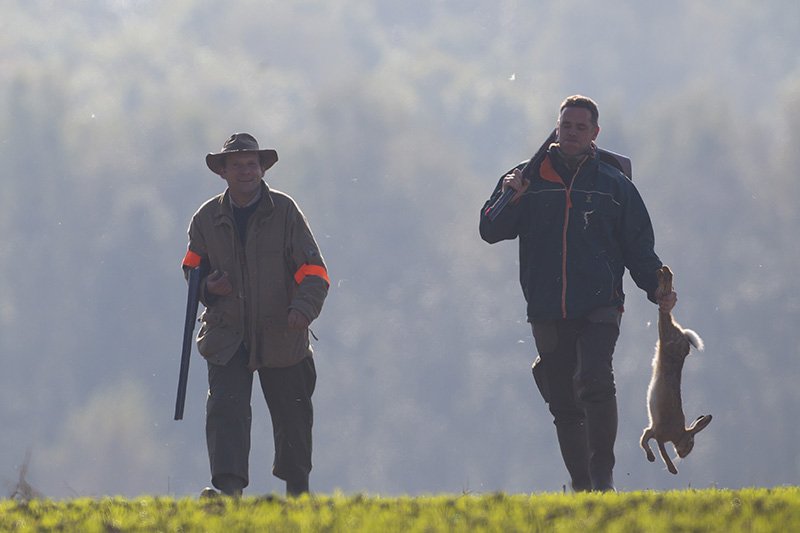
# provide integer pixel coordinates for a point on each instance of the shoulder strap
(618, 161)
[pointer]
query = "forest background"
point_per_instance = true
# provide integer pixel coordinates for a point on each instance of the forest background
(393, 121)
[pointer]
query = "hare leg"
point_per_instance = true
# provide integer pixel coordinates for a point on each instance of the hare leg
(665, 457)
(644, 442)
(664, 275)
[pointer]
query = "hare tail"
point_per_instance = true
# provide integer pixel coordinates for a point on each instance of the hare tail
(693, 338)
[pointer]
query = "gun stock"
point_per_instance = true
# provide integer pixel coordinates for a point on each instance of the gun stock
(192, 302)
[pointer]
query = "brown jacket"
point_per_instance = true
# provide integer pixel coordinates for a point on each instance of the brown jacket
(279, 268)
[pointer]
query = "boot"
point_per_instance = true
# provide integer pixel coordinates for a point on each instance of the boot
(297, 486)
(229, 484)
(574, 446)
(601, 425)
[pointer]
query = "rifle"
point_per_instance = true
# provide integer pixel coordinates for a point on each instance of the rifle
(618, 161)
(192, 302)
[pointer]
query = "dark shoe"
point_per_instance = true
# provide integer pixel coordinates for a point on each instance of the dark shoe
(572, 439)
(296, 487)
(607, 487)
(601, 425)
(230, 485)
(208, 493)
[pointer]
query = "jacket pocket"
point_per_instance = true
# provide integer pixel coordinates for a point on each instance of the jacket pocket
(217, 339)
(598, 217)
(605, 315)
(283, 346)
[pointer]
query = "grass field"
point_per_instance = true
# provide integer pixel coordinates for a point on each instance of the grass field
(748, 510)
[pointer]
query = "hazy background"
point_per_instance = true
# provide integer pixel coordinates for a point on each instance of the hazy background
(393, 121)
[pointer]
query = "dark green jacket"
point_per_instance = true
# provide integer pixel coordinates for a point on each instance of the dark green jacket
(576, 237)
(279, 268)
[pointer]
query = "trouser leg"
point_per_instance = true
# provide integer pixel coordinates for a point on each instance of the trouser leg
(601, 421)
(228, 421)
(553, 371)
(572, 440)
(597, 393)
(288, 394)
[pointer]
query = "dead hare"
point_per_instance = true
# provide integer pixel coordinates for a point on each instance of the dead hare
(667, 421)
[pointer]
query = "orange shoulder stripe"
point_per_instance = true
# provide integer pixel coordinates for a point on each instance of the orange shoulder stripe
(311, 270)
(191, 259)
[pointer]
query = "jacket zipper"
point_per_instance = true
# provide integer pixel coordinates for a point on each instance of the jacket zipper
(241, 295)
(567, 192)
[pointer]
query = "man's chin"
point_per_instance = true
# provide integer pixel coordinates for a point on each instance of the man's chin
(573, 150)
(570, 148)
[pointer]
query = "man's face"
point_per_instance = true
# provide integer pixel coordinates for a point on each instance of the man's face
(243, 173)
(575, 130)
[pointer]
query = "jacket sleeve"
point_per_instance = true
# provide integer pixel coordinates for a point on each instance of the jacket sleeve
(638, 242)
(197, 256)
(503, 227)
(307, 266)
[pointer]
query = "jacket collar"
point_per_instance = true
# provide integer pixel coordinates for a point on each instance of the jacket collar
(265, 204)
(553, 168)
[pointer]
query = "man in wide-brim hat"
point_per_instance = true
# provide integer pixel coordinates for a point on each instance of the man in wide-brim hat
(263, 282)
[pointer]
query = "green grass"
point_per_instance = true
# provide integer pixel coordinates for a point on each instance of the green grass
(750, 510)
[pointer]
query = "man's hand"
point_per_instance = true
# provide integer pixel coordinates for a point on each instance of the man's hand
(514, 181)
(218, 284)
(666, 300)
(297, 320)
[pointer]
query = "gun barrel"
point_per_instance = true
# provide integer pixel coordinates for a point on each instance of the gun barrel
(493, 210)
(192, 303)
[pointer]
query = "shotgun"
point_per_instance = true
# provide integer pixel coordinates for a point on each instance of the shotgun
(192, 302)
(618, 161)
(494, 209)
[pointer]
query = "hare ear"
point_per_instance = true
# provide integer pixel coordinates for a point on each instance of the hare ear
(699, 424)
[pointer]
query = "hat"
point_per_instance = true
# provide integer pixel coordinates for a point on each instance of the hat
(241, 142)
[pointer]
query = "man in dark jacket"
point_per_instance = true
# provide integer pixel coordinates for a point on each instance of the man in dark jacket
(264, 281)
(580, 222)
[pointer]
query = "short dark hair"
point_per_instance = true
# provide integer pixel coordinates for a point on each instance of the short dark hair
(585, 102)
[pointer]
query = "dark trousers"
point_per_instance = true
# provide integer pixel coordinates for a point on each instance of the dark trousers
(575, 376)
(574, 367)
(287, 392)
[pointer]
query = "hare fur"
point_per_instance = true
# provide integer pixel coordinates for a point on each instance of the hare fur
(667, 421)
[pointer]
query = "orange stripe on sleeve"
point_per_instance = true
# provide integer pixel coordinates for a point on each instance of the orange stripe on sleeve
(311, 270)
(191, 259)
